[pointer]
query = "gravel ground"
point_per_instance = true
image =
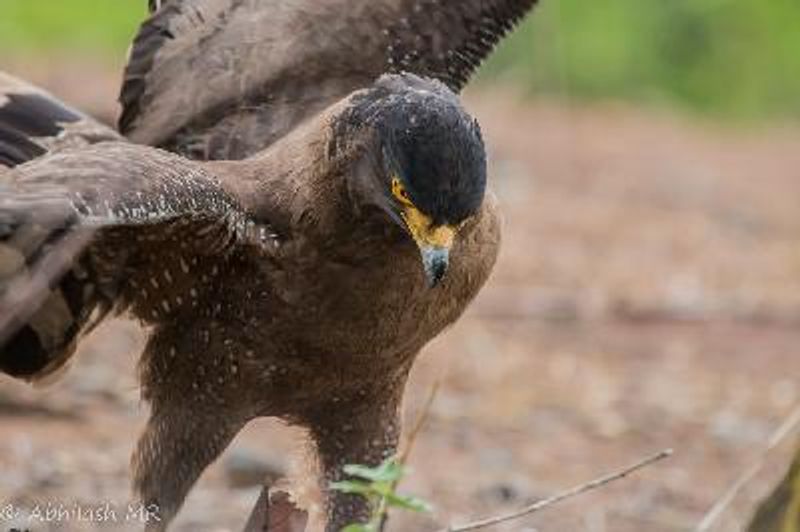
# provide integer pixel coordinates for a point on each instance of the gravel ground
(647, 296)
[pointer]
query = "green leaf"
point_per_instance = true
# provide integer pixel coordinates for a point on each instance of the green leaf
(353, 486)
(378, 484)
(357, 528)
(388, 471)
(408, 502)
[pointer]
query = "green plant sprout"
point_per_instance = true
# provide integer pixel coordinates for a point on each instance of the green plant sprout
(379, 485)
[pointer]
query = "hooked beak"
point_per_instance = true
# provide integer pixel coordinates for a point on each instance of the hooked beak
(434, 243)
(435, 261)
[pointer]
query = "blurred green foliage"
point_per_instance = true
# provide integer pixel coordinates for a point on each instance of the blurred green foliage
(780, 511)
(739, 58)
(736, 58)
(102, 27)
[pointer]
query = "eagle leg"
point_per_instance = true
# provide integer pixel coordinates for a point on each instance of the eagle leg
(364, 431)
(178, 443)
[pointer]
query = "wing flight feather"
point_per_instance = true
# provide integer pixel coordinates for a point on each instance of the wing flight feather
(223, 79)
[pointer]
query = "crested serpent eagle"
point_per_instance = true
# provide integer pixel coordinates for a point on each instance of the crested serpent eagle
(295, 204)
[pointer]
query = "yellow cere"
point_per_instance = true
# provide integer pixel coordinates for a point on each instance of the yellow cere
(420, 225)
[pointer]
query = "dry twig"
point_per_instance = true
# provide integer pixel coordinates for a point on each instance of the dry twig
(555, 499)
(789, 425)
(402, 457)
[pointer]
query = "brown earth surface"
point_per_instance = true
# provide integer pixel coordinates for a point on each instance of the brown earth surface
(647, 296)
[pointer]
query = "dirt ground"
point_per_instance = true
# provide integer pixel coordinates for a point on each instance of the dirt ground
(647, 296)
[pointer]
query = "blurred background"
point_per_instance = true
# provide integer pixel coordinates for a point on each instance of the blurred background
(647, 156)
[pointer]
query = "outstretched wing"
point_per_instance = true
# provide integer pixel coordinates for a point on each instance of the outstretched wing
(222, 79)
(86, 231)
(32, 123)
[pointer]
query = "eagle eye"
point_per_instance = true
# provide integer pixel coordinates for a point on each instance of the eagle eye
(400, 193)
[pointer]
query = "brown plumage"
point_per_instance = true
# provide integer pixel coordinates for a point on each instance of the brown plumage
(33, 123)
(298, 282)
(222, 79)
